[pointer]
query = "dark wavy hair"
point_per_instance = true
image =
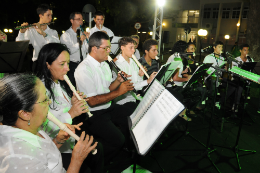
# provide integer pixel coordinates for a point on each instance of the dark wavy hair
(124, 41)
(17, 92)
(179, 46)
(148, 44)
(50, 53)
(42, 9)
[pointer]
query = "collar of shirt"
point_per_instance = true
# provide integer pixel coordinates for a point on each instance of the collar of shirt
(21, 134)
(121, 59)
(103, 27)
(94, 61)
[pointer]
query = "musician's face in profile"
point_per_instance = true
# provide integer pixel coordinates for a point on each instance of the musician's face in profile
(41, 106)
(191, 48)
(218, 49)
(60, 66)
(128, 50)
(99, 20)
(244, 51)
(103, 51)
(137, 42)
(46, 17)
(153, 52)
(77, 21)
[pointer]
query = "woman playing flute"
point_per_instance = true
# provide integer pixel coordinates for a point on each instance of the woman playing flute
(24, 147)
(53, 65)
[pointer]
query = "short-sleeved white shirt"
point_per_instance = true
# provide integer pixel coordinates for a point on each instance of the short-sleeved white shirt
(239, 59)
(22, 151)
(175, 58)
(216, 62)
(93, 78)
(138, 82)
(95, 29)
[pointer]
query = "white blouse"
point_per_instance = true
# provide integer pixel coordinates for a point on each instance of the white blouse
(22, 151)
(59, 108)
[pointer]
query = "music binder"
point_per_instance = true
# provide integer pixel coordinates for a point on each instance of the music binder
(151, 117)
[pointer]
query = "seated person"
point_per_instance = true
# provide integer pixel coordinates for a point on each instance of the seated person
(53, 64)
(94, 77)
(24, 108)
(127, 64)
(150, 48)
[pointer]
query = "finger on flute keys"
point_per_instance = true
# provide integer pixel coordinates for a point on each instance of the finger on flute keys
(126, 86)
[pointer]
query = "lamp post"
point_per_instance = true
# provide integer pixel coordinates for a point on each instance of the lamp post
(202, 33)
(227, 37)
(158, 20)
(238, 26)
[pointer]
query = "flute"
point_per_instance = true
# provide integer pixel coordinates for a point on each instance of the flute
(83, 32)
(110, 60)
(63, 127)
(100, 26)
(140, 65)
(23, 27)
(75, 92)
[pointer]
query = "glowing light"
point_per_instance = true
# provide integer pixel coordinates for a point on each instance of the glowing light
(227, 37)
(87, 29)
(151, 33)
(139, 32)
(5, 30)
(54, 18)
(143, 32)
(10, 30)
(160, 2)
(163, 24)
(63, 32)
(202, 32)
(238, 24)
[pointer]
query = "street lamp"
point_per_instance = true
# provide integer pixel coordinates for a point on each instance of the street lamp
(202, 33)
(151, 33)
(10, 30)
(5, 30)
(87, 29)
(238, 24)
(227, 37)
(160, 3)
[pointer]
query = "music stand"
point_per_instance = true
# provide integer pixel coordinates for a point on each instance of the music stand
(12, 56)
(114, 44)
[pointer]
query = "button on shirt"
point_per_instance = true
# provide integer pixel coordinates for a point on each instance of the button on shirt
(138, 82)
(37, 40)
(22, 151)
(174, 58)
(95, 29)
(59, 108)
(216, 62)
(93, 78)
(69, 38)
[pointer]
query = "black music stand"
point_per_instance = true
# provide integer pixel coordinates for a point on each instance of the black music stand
(12, 56)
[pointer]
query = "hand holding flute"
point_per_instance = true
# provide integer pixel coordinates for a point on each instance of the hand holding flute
(63, 127)
(76, 94)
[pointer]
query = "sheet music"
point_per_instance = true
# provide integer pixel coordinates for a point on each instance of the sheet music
(148, 98)
(159, 115)
(114, 44)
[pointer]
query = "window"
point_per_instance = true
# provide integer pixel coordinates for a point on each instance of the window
(206, 13)
(245, 13)
(236, 13)
(225, 13)
(215, 13)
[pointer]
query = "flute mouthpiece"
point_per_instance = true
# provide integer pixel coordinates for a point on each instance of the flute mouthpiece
(109, 58)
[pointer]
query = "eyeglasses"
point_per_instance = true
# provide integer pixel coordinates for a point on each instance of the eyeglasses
(78, 19)
(44, 101)
(105, 48)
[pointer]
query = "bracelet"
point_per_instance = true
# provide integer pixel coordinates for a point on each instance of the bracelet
(58, 141)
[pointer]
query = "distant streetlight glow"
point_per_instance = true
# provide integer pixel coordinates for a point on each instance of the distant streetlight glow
(143, 32)
(151, 33)
(10, 30)
(160, 2)
(5, 30)
(227, 37)
(163, 24)
(87, 29)
(238, 24)
(202, 32)
(54, 18)
(63, 32)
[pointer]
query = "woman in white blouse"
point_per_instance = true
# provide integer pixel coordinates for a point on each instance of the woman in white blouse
(53, 64)
(24, 148)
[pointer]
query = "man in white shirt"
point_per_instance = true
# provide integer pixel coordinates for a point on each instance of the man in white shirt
(69, 38)
(39, 35)
(99, 19)
(94, 78)
(136, 39)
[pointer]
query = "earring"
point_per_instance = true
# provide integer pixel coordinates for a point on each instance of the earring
(29, 123)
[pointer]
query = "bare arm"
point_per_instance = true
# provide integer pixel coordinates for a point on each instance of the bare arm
(176, 78)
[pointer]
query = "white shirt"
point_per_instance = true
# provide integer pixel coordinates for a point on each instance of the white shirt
(59, 108)
(37, 40)
(216, 62)
(69, 38)
(93, 78)
(95, 29)
(239, 59)
(22, 151)
(138, 82)
(180, 66)
(137, 54)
